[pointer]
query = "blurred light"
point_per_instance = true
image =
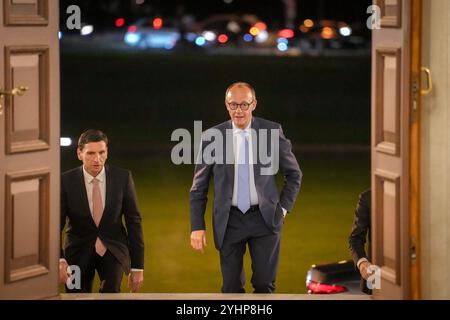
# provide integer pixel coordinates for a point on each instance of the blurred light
(282, 40)
(65, 142)
(234, 27)
(223, 38)
(200, 41)
(308, 23)
(328, 33)
(190, 36)
(160, 40)
(254, 31)
(139, 2)
(132, 29)
(304, 28)
(60, 35)
(262, 37)
(157, 23)
(345, 31)
(308, 277)
(228, 1)
(132, 38)
(282, 46)
(87, 30)
(248, 37)
(169, 46)
(286, 33)
(120, 22)
(209, 35)
(261, 26)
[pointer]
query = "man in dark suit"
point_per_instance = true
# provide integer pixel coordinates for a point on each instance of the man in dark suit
(248, 208)
(94, 198)
(358, 236)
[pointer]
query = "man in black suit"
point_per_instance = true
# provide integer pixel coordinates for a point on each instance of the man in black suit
(357, 238)
(248, 209)
(94, 198)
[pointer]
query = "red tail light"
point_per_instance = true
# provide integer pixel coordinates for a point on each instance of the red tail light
(322, 288)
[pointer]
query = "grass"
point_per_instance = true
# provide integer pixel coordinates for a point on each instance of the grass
(143, 98)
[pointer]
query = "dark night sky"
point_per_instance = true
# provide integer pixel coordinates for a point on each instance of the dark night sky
(349, 10)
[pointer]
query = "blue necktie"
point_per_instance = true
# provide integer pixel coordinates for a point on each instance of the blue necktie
(243, 188)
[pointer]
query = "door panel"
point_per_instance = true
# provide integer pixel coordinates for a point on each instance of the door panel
(27, 125)
(391, 78)
(29, 149)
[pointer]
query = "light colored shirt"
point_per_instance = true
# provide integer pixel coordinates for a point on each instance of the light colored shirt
(358, 264)
(237, 140)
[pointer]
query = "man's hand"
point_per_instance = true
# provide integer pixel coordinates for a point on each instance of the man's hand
(198, 240)
(363, 269)
(63, 274)
(135, 280)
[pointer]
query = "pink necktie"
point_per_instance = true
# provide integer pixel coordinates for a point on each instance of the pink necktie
(97, 208)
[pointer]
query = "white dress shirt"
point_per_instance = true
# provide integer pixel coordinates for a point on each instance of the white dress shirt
(237, 140)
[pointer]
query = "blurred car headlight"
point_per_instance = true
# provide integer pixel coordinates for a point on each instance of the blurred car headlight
(87, 30)
(132, 38)
(209, 36)
(345, 31)
(262, 36)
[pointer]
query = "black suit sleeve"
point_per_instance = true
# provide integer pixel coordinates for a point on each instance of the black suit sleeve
(291, 173)
(361, 226)
(133, 223)
(198, 196)
(63, 217)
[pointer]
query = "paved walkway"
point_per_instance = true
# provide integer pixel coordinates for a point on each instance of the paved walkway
(211, 296)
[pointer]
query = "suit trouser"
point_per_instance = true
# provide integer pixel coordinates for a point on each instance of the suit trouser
(110, 272)
(264, 246)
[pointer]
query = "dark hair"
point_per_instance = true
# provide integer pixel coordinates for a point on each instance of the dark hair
(91, 135)
(241, 84)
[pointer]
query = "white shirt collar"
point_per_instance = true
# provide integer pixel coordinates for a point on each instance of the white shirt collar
(236, 129)
(100, 177)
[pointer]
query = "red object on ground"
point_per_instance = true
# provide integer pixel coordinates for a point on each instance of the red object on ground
(323, 288)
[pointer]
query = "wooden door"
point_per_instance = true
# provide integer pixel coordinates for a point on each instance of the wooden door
(392, 123)
(29, 149)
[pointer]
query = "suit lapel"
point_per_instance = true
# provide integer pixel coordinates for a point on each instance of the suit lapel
(82, 187)
(109, 191)
(229, 166)
(255, 142)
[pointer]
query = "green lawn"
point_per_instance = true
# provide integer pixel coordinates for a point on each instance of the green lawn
(315, 232)
(138, 97)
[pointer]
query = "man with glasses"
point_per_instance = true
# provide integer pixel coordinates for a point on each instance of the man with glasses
(248, 209)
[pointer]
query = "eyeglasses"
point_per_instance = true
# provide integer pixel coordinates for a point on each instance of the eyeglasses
(244, 105)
